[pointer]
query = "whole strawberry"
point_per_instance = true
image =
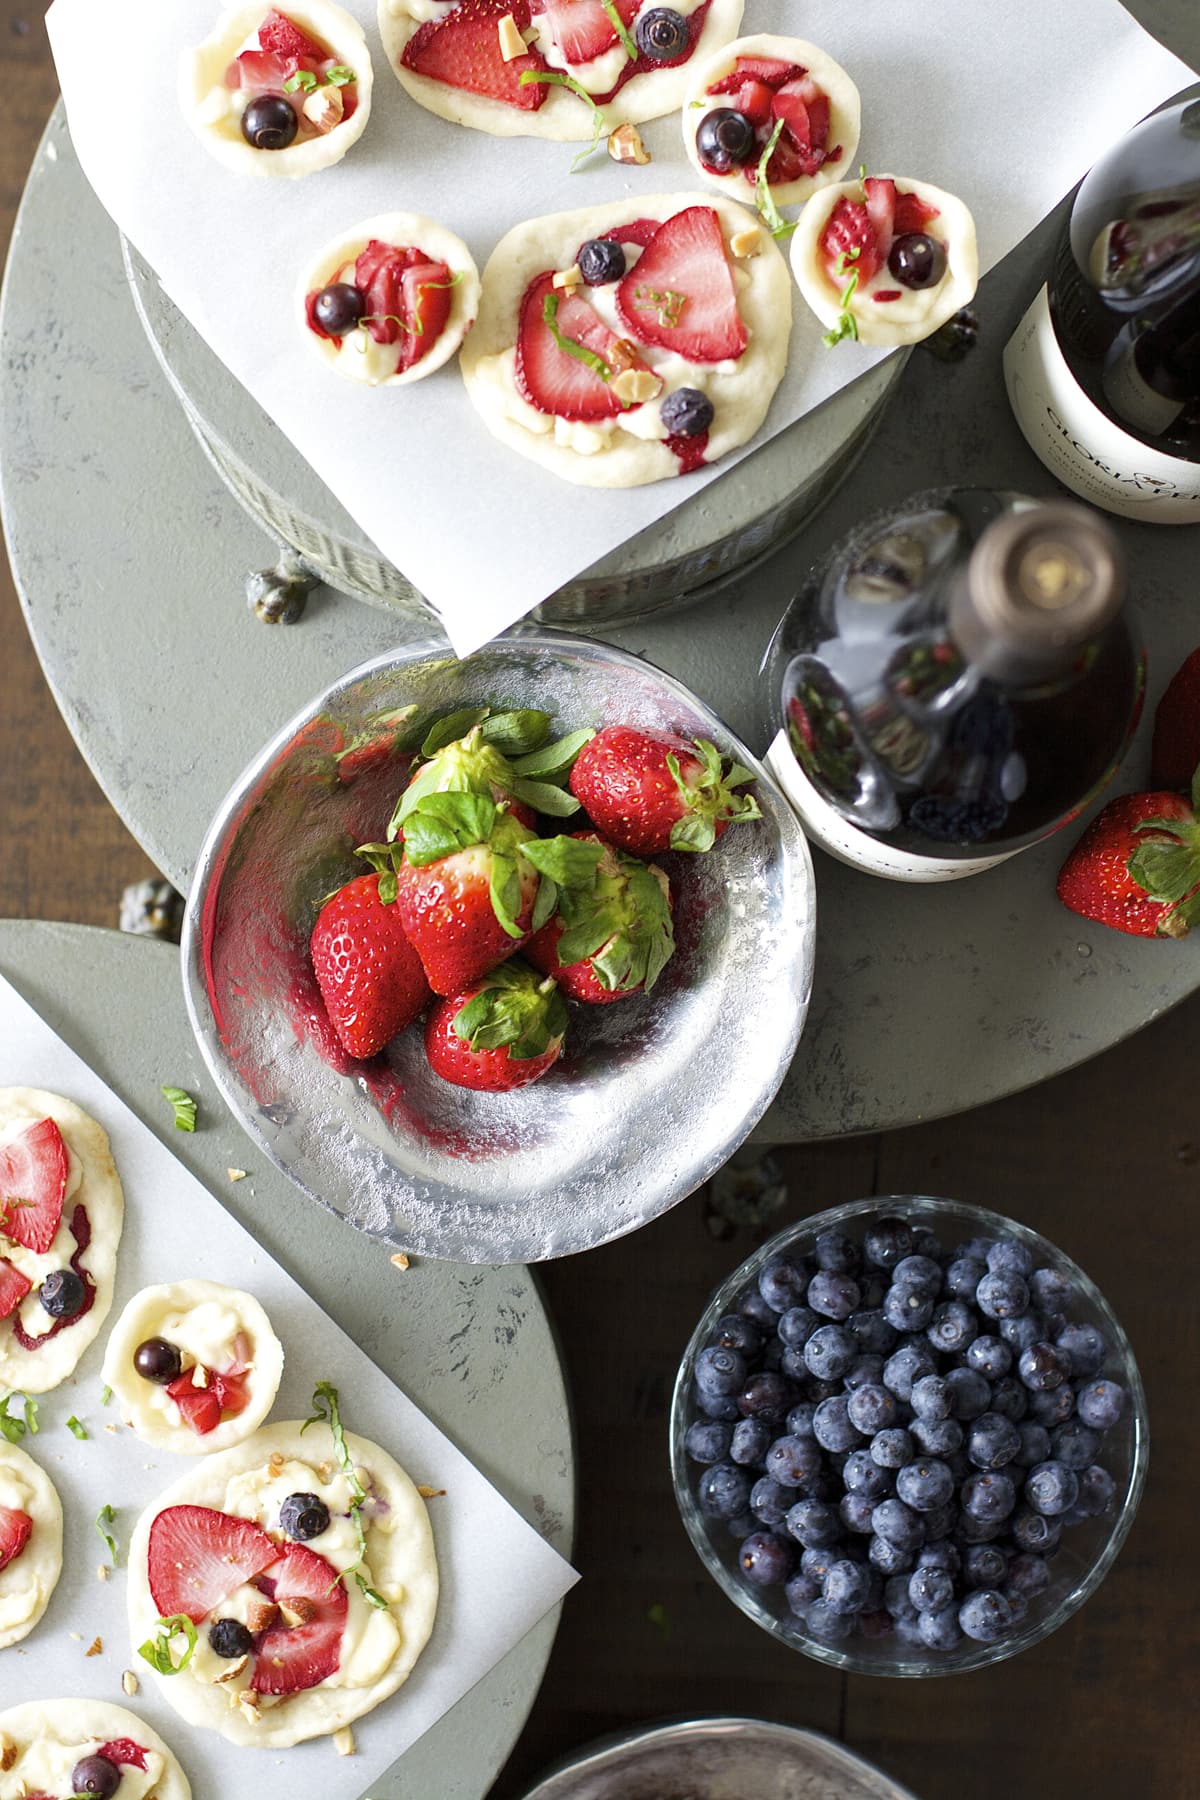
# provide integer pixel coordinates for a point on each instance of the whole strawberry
(649, 791)
(1176, 748)
(369, 975)
(1137, 866)
(501, 1033)
(612, 934)
(503, 755)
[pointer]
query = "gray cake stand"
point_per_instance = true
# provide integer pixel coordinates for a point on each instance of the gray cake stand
(130, 555)
(472, 1346)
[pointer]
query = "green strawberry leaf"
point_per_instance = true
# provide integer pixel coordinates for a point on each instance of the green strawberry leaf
(385, 860)
(554, 759)
(505, 888)
(565, 860)
(544, 798)
(453, 726)
(517, 1010)
(546, 904)
(518, 733)
(694, 832)
(1167, 871)
(588, 933)
(440, 824)
(738, 776)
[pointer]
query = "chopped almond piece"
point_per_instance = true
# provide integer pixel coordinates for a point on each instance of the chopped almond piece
(746, 243)
(262, 1615)
(428, 1493)
(299, 1610)
(325, 108)
(233, 1671)
(236, 1174)
(622, 354)
(568, 278)
(95, 1648)
(625, 145)
(343, 1741)
(130, 1683)
(399, 1261)
(636, 385)
(512, 44)
(8, 1753)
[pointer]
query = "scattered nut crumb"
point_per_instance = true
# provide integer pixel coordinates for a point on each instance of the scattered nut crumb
(77, 1636)
(746, 243)
(199, 1376)
(236, 1174)
(299, 1610)
(8, 1753)
(248, 1699)
(636, 385)
(325, 1470)
(428, 1493)
(112, 1430)
(625, 145)
(566, 278)
(324, 108)
(102, 1571)
(399, 1261)
(343, 1741)
(130, 1683)
(233, 1671)
(95, 1648)
(276, 1462)
(512, 44)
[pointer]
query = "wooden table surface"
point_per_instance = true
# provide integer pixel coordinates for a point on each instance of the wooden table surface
(1104, 1160)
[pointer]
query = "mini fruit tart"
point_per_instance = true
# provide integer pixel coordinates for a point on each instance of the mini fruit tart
(76, 1746)
(885, 259)
(279, 93)
(284, 1588)
(391, 300)
(194, 1366)
(626, 343)
(31, 1538)
(541, 68)
(760, 92)
(61, 1213)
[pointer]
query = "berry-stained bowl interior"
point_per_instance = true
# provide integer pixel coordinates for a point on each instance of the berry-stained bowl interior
(650, 1095)
(1086, 1549)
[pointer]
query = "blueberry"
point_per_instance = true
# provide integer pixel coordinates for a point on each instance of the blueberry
(723, 1491)
(984, 1566)
(861, 1474)
(833, 1427)
(792, 1363)
(801, 1591)
(1022, 1330)
(768, 1395)
(1053, 1406)
(855, 1512)
(817, 1562)
(918, 1272)
(813, 1524)
(989, 1497)
(871, 1409)
(888, 1241)
(940, 1629)
(937, 1437)
(720, 1372)
(941, 1521)
(799, 1421)
(874, 1285)
(889, 1558)
(62, 1294)
(726, 138)
(924, 1484)
(893, 1448)
(908, 1631)
(985, 1616)
(794, 1462)
(1028, 1575)
(96, 1774)
(1034, 1531)
(908, 1308)
(229, 1638)
(1097, 1490)
(159, 1361)
(1010, 1398)
(927, 1243)
(824, 1623)
(963, 1277)
(1073, 1443)
(662, 34)
(752, 1306)
(942, 1555)
(1035, 1443)
(931, 1399)
(797, 1325)
(952, 1327)
(269, 123)
(303, 1516)
(976, 1249)
(601, 260)
(970, 1393)
(708, 1440)
(769, 1500)
(871, 1332)
(717, 1406)
(905, 1368)
(741, 1525)
(864, 1371)
(782, 1282)
(829, 1352)
(1052, 1291)
(734, 1331)
(749, 1441)
(1051, 1488)
(1002, 1294)
(686, 412)
(1101, 1403)
(1042, 1366)
(899, 1525)
(833, 1295)
(339, 307)
(993, 1441)
(897, 1599)
(766, 1559)
(930, 1589)
(989, 1356)
(1084, 1349)
(833, 1249)
(847, 1587)
(1009, 1256)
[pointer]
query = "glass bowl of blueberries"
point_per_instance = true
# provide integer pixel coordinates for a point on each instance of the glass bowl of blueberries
(908, 1437)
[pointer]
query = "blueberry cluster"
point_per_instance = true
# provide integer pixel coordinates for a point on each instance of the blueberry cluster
(898, 1434)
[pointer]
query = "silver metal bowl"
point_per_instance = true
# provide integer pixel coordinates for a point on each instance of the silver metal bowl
(717, 1759)
(650, 1097)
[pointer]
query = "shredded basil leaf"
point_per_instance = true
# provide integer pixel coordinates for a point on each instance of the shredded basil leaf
(580, 352)
(105, 1394)
(157, 1650)
(621, 29)
(327, 1411)
(847, 325)
(73, 1426)
(550, 77)
(303, 78)
(185, 1108)
(340, 75)
(14, 1427)
(104, 1518)
(764, 199)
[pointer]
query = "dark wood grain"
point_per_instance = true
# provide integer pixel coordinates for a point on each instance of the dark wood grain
(1105, 1160)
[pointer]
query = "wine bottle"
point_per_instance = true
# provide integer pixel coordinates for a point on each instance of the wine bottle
(956, 680)
(1103, 371)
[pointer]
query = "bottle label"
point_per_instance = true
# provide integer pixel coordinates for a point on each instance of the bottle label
(826, 827)
(1080, 444)
(1130, 394)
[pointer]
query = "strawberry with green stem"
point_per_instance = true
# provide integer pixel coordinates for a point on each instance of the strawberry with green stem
(612, 934)
(1137, 866)
(370, 977)
(649, 791)
(501, 1033)
(504, 755)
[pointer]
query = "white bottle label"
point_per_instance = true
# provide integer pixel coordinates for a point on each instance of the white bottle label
(826, 827)
(1080, 444)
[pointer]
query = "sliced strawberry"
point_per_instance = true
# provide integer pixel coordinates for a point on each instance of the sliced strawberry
(200, 1407)
(881, 210)
(680, 295)
(754, 99)
(15, 1527)
(261, 71)
(791, 109)
(848, 243)
(767, 69)
(912, 214)
(124, 1753)
(285, 38)
(581, 29)
(33, 1182)
(198, 1556)
(13, 1287)
(290, 1658)
(463, 50)
(551, 378)
(818, 120)
(427, 295)
(230, 1390)
(788, 163)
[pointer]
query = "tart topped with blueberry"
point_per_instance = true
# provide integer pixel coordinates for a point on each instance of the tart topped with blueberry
(275, 92)
(542, 68)
(626, 343)
(194, 1366)
(31, 1534)
(61, 1213)
(886, 260)
(774, 98)
(56, 1748)
(391, 300)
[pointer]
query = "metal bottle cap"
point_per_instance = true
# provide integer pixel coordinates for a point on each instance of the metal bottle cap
(1041, 583)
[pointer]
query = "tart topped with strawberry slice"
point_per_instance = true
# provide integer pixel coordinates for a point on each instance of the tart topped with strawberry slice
(287, 1586)
(71, 1745)
(777, 98)
(194, 1366)
(886, 260)
(391, 300)
(542, 68)
(279, 92)
(61, 1213)
(31, 1535)
(627, 343)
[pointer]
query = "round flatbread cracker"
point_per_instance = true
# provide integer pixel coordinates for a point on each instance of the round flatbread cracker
(845, 115)
(905, 315)
(631, 449)
(51, 1736)
(215, 1328)
(562, 116)
(92, 1184)
(27, 1582)
(379, 1647)
(357, 357)
(214, 110)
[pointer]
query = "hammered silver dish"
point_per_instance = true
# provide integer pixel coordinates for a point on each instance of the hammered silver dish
(717, 1759)
(650, 1096)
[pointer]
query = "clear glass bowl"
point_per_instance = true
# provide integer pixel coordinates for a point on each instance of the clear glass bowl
(1088, 1550)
